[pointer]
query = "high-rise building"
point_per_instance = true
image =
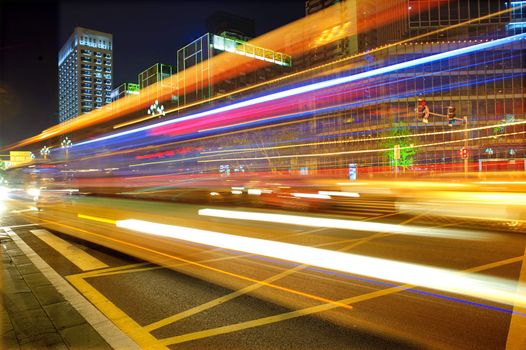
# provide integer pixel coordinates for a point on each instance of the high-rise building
(85, 66)
(370, 24)
(426, 16)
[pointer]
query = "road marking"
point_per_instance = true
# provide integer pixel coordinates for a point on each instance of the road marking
(517, 332)
(198, 264)
(94, 218)
(115, 270)
(312, 310)
(328, 306)
(122, 319)
(77, 256)
(221, 300)
(107, 330)
(144, 339)
(17, 226)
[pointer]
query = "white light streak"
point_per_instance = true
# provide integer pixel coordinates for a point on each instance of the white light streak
(339, 194)
(255, 191)
(473, 285)
(323, 84)
(353, 225)
(4, 192)
(311, 195)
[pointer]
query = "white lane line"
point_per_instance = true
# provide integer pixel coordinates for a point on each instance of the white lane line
(107, 330)
(17, 226)
(77, 256)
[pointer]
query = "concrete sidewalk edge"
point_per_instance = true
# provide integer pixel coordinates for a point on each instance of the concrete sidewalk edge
(96, 319)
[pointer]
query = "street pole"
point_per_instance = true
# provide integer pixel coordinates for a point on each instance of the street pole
(396, 156)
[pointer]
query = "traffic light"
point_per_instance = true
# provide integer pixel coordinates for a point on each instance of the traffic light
(464, 153)
(422, 111)
(451, 115)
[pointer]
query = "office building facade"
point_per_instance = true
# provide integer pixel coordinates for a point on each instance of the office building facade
(156, 81)
(196, 68)
(85, 66)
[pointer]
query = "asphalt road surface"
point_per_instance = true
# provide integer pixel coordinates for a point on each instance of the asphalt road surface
(183, 295)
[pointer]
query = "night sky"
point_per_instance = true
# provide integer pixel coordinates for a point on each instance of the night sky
(144, 33)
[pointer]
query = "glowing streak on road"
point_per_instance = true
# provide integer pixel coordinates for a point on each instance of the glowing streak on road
(339, 194)
(322, 85)
(500, 182)
(352, 225)
(485, 287)
(311, 195)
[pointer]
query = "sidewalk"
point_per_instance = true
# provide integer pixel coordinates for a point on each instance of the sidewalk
(34, 314)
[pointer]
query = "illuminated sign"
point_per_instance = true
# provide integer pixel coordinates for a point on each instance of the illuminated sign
(239, 47)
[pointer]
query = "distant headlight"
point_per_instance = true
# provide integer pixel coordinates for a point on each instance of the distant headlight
(33, 192)
(3, 192)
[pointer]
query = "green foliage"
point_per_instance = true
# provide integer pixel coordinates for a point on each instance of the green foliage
(499, 129)
(400, 135)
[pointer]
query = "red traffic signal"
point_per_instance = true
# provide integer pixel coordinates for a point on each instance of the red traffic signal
(422, 111)
(464, 153)
(451, 115)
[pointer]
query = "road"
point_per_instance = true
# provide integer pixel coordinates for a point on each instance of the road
(178, 294)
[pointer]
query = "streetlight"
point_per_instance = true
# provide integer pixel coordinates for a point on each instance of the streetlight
(45, 151)
(156, 109)
(66, 144)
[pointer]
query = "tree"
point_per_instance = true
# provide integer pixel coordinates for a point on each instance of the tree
(400, 135)
(499, 130)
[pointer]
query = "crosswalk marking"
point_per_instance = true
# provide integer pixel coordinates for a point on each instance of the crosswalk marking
(80, 258)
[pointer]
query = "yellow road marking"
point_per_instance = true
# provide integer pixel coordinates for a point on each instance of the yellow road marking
(144, 339)
(250, 288)
(198, 264)
(80, 258)
(94, 218)
(123, 321)
(311, 310)
(108, 271)
(517, 331)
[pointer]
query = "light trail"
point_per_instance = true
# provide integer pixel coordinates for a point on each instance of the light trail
(485, 287)
(339, 194)
(319, 85)
(128, 103)
(335, 142)
(358, 151)
(352, 225)
(325, 65)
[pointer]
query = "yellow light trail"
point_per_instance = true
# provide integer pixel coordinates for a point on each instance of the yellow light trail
(131, 103)
(354, 152)
(320, 143)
